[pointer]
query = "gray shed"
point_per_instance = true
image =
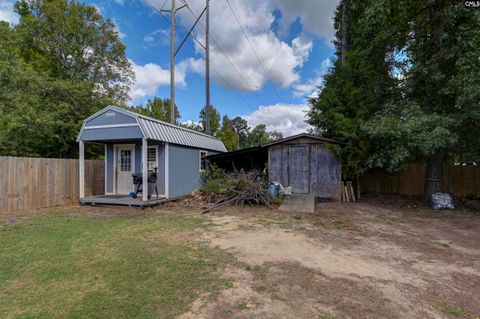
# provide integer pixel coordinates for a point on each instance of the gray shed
(304, 163)
(139, 144)
(301, 161)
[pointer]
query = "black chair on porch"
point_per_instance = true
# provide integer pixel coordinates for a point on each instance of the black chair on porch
(152, 182)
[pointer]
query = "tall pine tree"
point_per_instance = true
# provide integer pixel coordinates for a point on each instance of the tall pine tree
(406, 91)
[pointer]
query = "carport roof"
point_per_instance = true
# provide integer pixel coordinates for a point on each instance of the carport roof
(154, 129)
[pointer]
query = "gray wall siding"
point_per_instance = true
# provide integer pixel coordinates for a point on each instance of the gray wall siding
(109, 167)
(112, 133)
(325, 173)
(278, 157)
(161, 169)
(275, 164)
(112, 118)
(184, 174)
(138, 158)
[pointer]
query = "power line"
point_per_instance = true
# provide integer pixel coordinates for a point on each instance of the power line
(163, 5)
(277, 91)
(198, 41)
(255, 52)
(226, 56)
(165, 18)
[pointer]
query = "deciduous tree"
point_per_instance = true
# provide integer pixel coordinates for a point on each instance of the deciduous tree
(227, 134)
(61, 63)
(214, 120)
(242, 129)
(157, 108)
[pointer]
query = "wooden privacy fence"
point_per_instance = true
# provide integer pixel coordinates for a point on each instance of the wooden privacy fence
(29, 183)
(460, 181)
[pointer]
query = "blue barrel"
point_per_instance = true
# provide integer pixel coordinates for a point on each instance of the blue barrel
(273, 190)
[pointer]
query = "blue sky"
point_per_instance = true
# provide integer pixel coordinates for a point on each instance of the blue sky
(291, 38)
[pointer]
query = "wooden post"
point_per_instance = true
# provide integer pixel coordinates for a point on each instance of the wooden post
(207, 69)
(81, 169)
(358, 189)
(351, 192)
(172, 64)
(144, 170)
(345, 189)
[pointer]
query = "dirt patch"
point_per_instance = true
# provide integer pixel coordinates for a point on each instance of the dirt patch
(362, 260)
(280, 245)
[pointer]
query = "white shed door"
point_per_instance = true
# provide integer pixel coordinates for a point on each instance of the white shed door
(124, 169)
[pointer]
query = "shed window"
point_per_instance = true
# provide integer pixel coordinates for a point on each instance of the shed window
(152, 158)
(203, 161)
(125, 160)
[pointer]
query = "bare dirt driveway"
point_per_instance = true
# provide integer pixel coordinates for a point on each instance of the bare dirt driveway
(364, 260)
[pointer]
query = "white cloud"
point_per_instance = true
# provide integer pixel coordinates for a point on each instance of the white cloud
(190, 65)
(312, 86)
(281, 59)
(7, 13)
(288, 119)
(120, 2)
(157, 37)
(316, 16)
(150, 77)
(308, 88)
(121, 35)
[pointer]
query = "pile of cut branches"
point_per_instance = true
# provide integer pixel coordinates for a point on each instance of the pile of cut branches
(236, 188)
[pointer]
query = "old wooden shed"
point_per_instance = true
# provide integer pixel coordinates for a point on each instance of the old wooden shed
(301, 161)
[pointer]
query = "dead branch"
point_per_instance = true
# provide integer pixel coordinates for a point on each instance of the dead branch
(238, 188)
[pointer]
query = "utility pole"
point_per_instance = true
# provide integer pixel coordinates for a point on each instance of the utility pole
(172, 64)
(207, 68)
(174, 52)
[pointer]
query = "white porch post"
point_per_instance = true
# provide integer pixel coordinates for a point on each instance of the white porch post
(81, 169)
(144, 170)
(167, 171)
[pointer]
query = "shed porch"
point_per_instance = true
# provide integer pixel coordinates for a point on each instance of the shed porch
(122, 200)
(170, 158)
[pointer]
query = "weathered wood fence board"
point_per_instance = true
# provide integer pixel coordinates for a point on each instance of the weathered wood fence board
(461, 181)
(29, 183)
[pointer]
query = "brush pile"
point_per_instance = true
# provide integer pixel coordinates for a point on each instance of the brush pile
(236, 188)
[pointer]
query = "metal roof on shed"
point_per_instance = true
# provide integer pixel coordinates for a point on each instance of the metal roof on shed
(154, 129)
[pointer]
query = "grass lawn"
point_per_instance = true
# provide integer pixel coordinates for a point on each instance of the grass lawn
(97, 267)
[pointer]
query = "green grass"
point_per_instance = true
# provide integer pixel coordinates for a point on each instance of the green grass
(329, 213)
(444, 243)
(260, 288)
(450, 311)
(83, 267)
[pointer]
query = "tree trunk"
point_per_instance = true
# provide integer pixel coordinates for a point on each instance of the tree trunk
(434, 178)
